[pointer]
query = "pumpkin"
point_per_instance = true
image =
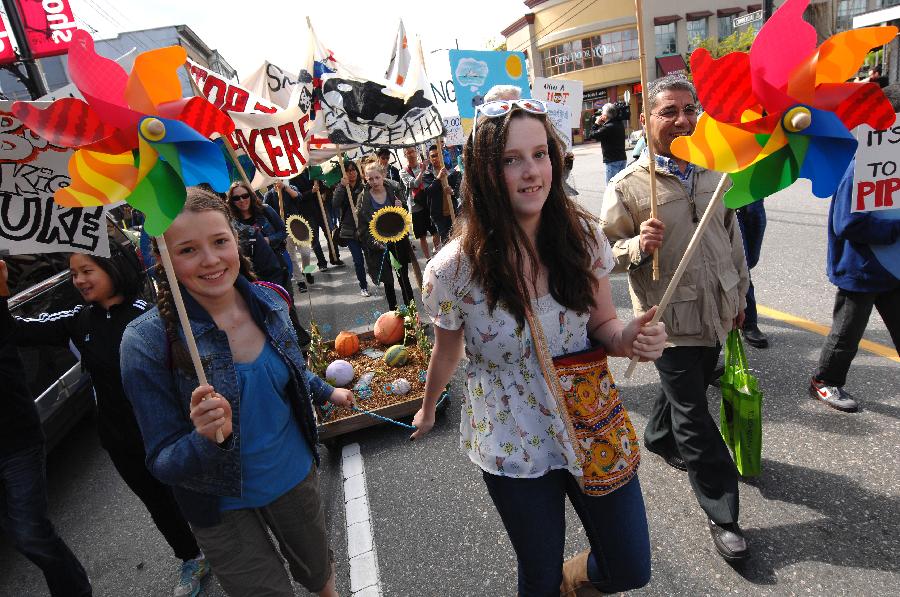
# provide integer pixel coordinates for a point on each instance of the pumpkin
(346, 344)
(389, 328)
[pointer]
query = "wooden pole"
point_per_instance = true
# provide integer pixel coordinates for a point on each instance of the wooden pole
(639, 9)
(331, 250)
(349, 192)
(448, 191)
(711, 210)
(183, 317)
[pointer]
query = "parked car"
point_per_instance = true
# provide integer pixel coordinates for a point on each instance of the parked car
(62, 390)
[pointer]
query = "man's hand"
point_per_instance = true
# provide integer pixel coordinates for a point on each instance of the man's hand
(651, 235)
(279, 184)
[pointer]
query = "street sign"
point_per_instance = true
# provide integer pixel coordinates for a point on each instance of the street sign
(747, 18)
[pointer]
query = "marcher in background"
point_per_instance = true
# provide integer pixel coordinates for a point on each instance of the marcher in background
(233, 491)
(112, 289)
(23, 480)
(392, 177)
(502, 92)
(346, 205)
(862, 283)
(609, 130)
(378, 254)
(301, 200)
(517, 218)
(752, 220)
(413, 179)
(442, 189)
(706, 305)
(876, 77)
(247, 209)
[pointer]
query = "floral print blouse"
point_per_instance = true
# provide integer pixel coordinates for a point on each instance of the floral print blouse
(510, 424)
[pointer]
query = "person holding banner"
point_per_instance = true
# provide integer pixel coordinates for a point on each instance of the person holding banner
(247, 209)
(707, 304)
(112, 289)
(517, 218)
(862, 282)
(380, 256)
(234, 490)
(346, 203)
(442, 186)
(23, 480)
(413, 176)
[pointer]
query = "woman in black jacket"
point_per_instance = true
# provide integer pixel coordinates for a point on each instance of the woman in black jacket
(111, 287)
(349, 231)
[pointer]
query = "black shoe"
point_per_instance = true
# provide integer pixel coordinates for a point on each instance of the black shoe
(718, 373)
(309, 279)
(337, 263)
(672, 459)
(755, 338)
(729, 541)
(323, 267)
(301, 287)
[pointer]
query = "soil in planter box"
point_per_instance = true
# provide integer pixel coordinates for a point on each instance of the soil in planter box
(377, 396)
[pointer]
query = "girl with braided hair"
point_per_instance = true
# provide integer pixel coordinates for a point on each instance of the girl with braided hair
(262, 476)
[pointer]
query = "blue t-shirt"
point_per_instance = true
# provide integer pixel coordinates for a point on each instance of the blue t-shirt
(274, 455)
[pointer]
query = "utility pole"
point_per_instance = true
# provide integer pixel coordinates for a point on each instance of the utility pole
(33, 80)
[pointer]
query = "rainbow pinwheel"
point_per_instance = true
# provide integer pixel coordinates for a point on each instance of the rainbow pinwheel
(138, 140)
(783, 111)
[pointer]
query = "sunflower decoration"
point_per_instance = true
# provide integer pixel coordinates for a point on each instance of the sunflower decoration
(299, 230)
(784, 110)
(390, 224)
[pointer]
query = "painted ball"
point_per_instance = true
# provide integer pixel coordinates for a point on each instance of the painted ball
(346, 344)
(400, 387)
(389, 328)
(396, 355)
(339, 373)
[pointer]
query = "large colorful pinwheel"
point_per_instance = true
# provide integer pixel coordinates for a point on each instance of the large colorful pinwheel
(144, 112)
(784, 111)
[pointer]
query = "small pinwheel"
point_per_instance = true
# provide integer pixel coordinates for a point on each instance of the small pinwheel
(144, 112)
(784, 111)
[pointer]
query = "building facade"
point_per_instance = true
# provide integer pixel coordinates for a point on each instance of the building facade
(127, 44)
(596, 42)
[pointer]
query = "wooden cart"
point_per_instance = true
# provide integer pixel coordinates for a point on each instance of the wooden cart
(330, 430)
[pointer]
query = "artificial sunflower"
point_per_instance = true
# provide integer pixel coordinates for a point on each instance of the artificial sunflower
(299, 230)
(390, 224)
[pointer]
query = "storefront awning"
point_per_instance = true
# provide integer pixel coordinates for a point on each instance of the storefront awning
(665, 20)
(727, 12)
(671, 64)
(696, 16)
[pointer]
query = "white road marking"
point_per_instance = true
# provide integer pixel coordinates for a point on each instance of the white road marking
(364, 579)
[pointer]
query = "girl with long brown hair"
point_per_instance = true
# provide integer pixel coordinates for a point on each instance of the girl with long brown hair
(261, 477)
(523, 251)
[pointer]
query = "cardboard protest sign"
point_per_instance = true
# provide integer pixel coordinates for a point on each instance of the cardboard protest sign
(31, 170)
(876, 178)
(560, 118)
(444, 93)
(227, 95)
(475, 72)
(561, 91)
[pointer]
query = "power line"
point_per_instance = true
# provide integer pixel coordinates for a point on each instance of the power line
(566, 16)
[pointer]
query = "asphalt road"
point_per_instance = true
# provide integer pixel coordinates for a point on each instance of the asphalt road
(821, 519)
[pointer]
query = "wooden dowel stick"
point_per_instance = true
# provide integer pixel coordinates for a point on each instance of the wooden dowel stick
(448, 197)
(349, 192)
(331, 249)
(639, 10)
(183, 317)
(711, 210)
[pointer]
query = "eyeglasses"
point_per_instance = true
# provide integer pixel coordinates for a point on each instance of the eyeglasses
(504, 107)
(671, 113)
(235, 197)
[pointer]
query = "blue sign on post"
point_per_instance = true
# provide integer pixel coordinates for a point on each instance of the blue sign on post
(475, 72)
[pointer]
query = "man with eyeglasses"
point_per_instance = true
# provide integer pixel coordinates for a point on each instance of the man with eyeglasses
(708, 302)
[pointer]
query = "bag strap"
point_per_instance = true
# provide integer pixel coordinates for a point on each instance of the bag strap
(551, 376)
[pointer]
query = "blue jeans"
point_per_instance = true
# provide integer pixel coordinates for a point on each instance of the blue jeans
(358, 262)
(613, 168)
(752, 220)
(533, 512)
(23, 516)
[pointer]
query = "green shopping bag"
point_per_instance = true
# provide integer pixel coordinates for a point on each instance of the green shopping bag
(741, 410)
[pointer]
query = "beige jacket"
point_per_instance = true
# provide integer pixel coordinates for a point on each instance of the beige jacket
(714, 286)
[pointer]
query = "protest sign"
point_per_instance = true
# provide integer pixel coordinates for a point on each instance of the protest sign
(227, 95)
(31, 170)
(560, 118)
(444, 93)
(475, 72)
(876, 179)
(561, 91)
(272, 83)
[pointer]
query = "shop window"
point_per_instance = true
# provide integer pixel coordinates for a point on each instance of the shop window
(846, 10)
(606, 48)
(665, 39)
(697, 31)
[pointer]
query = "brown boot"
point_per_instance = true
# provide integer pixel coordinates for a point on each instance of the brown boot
(575, 581)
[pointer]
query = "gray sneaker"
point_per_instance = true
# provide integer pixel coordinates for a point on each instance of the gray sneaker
(833, 396)
(192, 574)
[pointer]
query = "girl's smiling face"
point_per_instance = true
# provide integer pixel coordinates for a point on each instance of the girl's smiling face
(527, 169)
(204, 253)
(90, 279)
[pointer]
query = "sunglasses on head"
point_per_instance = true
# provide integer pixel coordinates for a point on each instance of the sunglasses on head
(504, 107)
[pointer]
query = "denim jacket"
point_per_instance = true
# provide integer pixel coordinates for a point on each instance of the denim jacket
(198, 470)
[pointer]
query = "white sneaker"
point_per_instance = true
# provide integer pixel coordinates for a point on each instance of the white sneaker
(191, 579)
(364, 292)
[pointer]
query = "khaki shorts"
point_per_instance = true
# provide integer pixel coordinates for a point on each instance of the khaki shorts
(243, 557)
